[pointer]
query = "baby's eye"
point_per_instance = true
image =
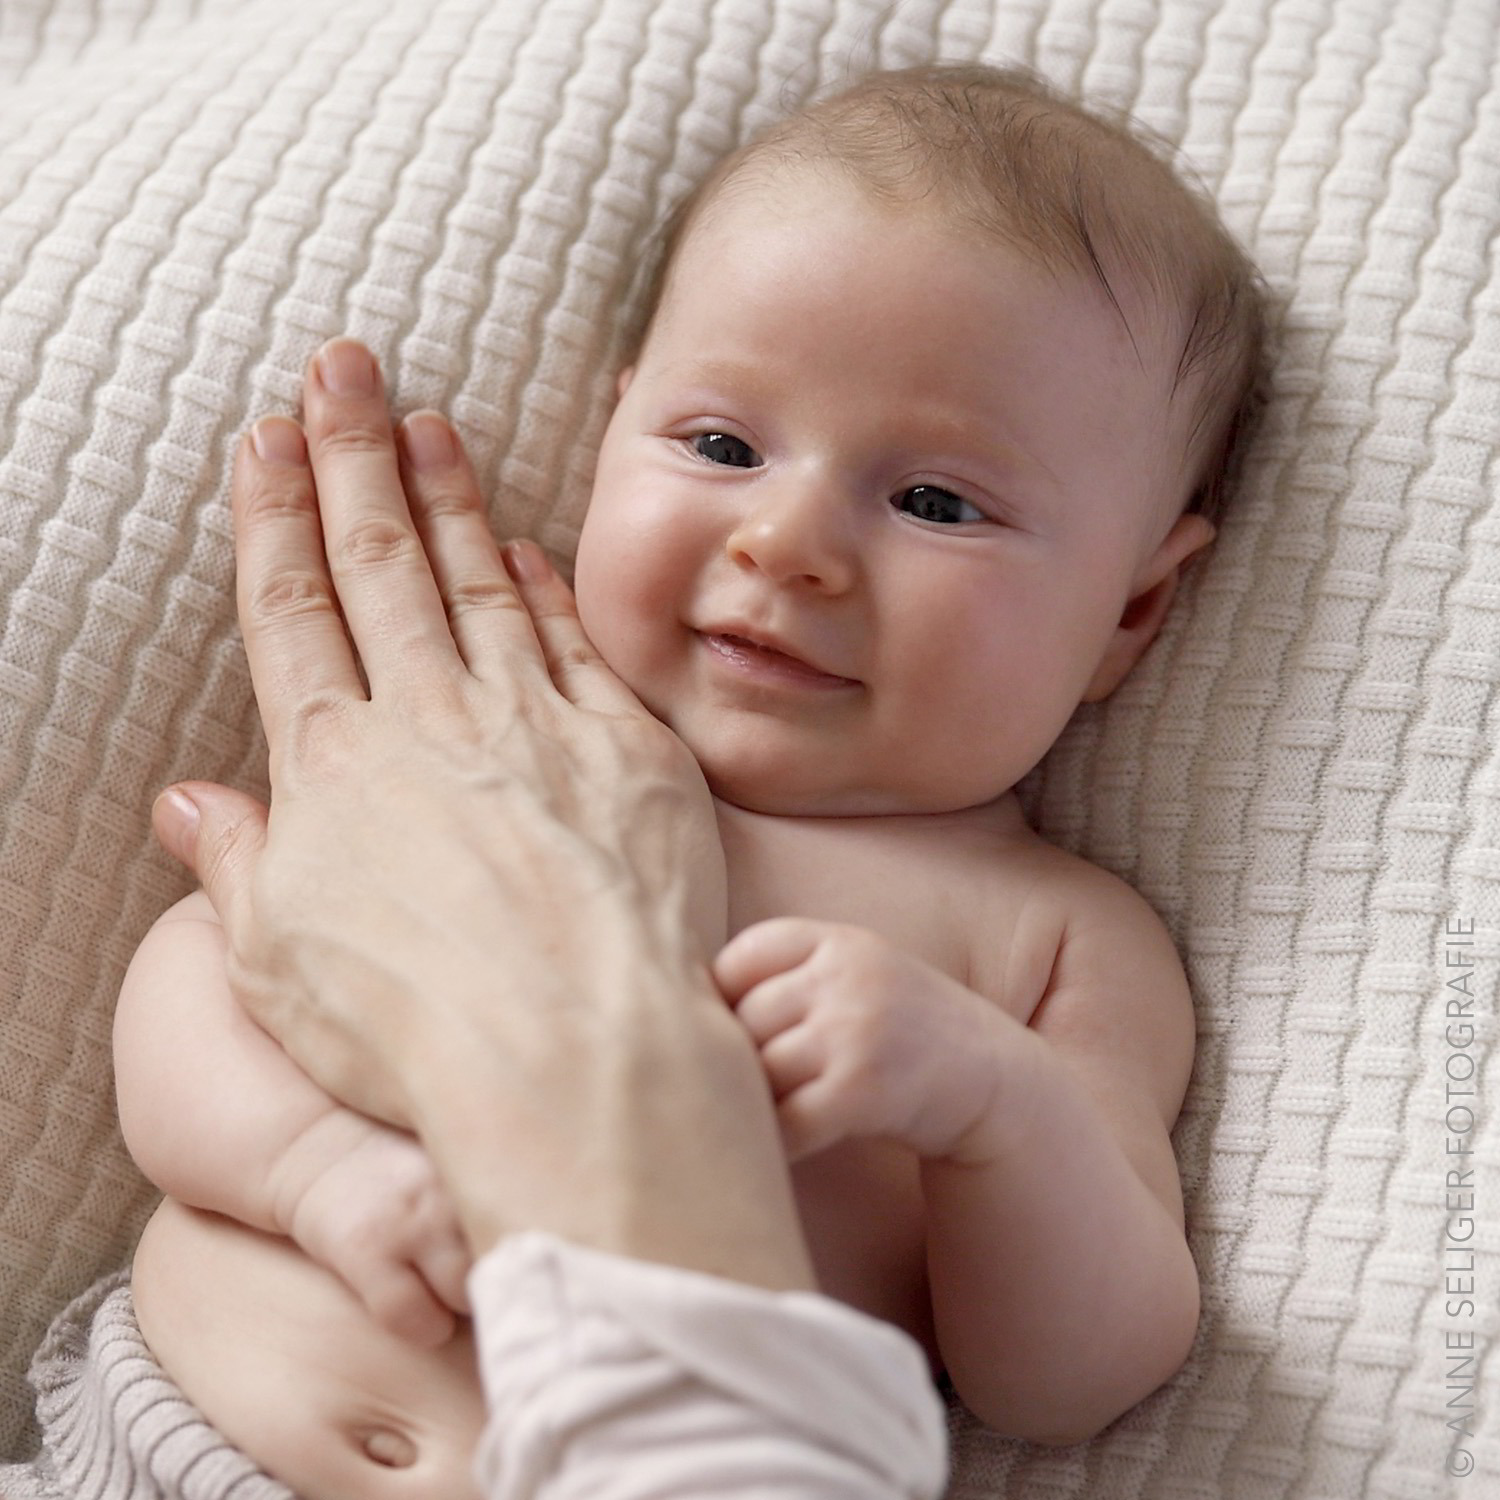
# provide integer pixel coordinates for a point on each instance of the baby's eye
(722, 448)
(929, 503)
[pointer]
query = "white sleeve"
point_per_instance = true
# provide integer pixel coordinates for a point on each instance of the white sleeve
(609, 1378)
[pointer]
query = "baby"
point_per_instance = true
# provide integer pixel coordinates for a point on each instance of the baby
(937, 391)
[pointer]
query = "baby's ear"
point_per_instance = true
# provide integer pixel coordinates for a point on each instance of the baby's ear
(622, 381)
(1150, 598)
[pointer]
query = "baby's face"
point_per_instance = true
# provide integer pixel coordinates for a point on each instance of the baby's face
(872, 503)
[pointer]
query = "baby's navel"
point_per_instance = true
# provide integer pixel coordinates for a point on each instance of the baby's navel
(389, 1448)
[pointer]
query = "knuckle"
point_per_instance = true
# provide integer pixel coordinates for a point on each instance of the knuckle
(392, 1309)
(483, 591)
(666, 762)
(291, 596)
(573, 655)
(856, 940)
(653, 739)
(355, 436)
(216, 849)
(444, 501)
(375, 540)
(363, 1236)
(278, 493)
(313, 745)
(865, 1075)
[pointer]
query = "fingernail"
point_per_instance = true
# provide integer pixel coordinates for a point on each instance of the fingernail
(429, 441)
(524, 561)
(181, 818)
(278, 440)
(346, 368)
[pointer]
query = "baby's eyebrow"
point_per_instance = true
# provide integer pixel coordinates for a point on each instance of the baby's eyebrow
(941, 432)
(737, 373)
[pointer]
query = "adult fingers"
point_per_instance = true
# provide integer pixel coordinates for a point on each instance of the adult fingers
(485, 613)
(379, 568)
(218, 833)
(581, 674)
(294, 636)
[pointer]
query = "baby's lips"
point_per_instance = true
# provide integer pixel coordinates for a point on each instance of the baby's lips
(737, 648)
(747, 638)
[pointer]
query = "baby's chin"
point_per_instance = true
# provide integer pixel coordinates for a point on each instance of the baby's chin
(787, 797)
(779, 796)
(758, 768)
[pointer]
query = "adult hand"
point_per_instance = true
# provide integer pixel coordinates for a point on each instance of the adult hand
(490, 882)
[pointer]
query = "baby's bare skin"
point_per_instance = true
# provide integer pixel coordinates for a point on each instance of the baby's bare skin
(282, 1358)
(866, 569)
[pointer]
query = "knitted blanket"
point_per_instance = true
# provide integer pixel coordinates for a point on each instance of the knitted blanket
(1303, 776)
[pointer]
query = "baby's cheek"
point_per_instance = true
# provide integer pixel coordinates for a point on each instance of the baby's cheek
(602, 591)
(619, 554)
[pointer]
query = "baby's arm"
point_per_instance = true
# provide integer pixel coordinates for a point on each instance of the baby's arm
(1063, 1287)
(1063, 1290)
(217, 1115)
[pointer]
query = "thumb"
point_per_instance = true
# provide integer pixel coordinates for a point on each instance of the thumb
(217, 832)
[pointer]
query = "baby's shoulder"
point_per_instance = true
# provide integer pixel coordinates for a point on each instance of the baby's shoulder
(1075, 891)
(1051, 924)
(1041, 885)
(1116, 1001)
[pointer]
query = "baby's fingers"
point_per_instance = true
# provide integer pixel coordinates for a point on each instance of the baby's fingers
(446, 1267)
(402, 1302)
(809, 1122)
(756, 953)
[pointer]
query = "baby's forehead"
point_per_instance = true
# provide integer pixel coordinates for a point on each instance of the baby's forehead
(1152, 318)
(763, 190)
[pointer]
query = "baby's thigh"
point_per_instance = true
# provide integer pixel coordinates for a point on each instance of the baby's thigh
(282, 1359)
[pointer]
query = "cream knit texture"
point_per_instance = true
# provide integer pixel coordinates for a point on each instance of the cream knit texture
(1303, 776)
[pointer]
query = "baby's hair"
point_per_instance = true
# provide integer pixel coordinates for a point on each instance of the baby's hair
(1077, 188)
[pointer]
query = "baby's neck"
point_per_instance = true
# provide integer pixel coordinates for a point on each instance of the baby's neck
(1003, 817)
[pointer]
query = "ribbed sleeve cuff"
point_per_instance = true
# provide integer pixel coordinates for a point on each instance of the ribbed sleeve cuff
(610, 1378)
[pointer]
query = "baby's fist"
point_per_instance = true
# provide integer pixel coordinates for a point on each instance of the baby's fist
(860, 1038)
(370, 1207)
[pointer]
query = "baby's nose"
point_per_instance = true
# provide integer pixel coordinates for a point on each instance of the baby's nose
(797, 533)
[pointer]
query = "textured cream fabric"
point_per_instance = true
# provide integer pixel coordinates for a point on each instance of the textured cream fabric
(1303, 776)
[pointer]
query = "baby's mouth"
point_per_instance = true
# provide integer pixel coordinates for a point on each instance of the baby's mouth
(766, 661)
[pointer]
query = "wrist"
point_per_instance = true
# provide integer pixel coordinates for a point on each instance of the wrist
(322, 1142)
(654, 1136)
(1013, 1069)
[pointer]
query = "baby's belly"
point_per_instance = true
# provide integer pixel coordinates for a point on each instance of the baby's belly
(281, 1358)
